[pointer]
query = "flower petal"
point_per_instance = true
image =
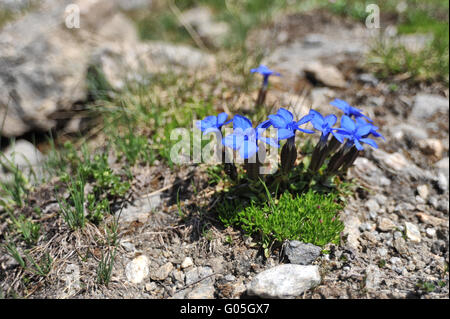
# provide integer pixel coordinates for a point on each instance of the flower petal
(277, 121)
(221, 118)
(241, 122)
(284, 134)
(340, 104)
(305, 130)
(347, 124)
(305, 119)
(370, 142)
(358, 145)
(286, 115)
(330, 120)
(340, 137)
(364, 130)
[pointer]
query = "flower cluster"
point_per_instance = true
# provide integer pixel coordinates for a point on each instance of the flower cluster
(343, 142)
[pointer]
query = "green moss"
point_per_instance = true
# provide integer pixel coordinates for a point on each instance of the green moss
(310, 217)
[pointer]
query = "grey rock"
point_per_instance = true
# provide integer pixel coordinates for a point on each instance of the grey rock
(381, 199)
(140, 210)
(178, 275)
(217, 264)
(401, 247)
(201, 292)
(203, 275)
(395, 260)
(351, 228)
(443, 182)
(138, 62)
(230, 278)
(368, 78)
(385, 224)
(129, 247)
(426, 105)
(443, 167)
(301, 253)
(372, 205)
(403, 130)
(22, 155)
(43, 64)
(328, 75)
(284, 281)
(373, 277)
(208, 28)
(382, 252)
(162, 272)
(370, 173)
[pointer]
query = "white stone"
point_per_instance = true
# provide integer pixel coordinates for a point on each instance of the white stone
(423, 191)
(284, 281)
(187, 262)
(412, 232)
(137, 269)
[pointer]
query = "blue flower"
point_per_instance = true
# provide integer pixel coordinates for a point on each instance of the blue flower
(212, 123)
(284, 122)
(265, 72)
(360, 121)
(355, 133)
(324, 125)
(348, 109)
(245, 138)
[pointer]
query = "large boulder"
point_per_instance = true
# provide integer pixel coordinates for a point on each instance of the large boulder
(43, 63)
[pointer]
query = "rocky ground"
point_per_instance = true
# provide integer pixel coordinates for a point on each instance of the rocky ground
(395, 242)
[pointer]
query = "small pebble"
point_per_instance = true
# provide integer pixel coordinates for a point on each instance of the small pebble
(382, 252)
(187, 262)
(431, 232)
(412, 232)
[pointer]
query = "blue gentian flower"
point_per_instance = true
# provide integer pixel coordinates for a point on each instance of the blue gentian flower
(348, 109)
(212, 123)
(245, 138)
(284, 122)
(265, 72)
(355, 133)
(360, 121)
(325, 125)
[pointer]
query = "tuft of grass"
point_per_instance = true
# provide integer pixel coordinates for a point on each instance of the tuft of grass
(73, 210)
(16, 189)
(14, 253)
(310, 217)
(42, 268)
(29, 230)
(105, 267)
